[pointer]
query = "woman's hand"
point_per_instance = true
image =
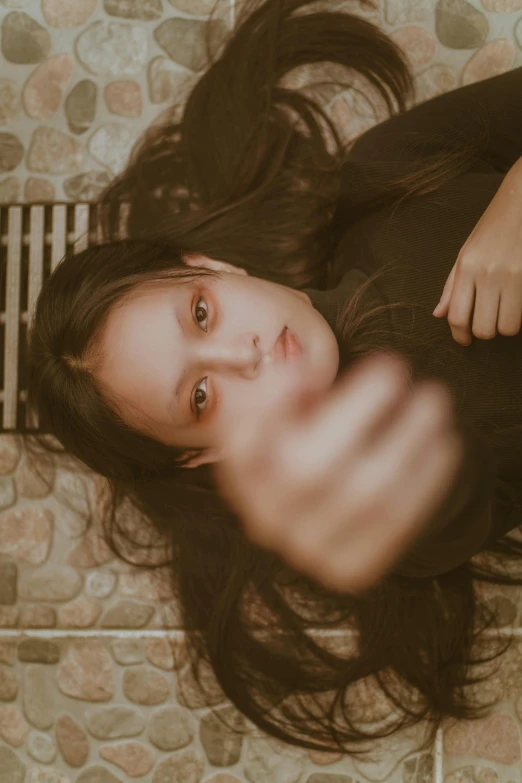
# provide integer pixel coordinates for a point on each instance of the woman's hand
(339, 484)
(486, 280)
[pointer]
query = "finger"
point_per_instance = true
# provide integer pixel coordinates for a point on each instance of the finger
(461, 307)
(442, 308)
(357, 406)
(356, 571)
(371, 495)
(485, 314)
(371, 550)
(510, 311)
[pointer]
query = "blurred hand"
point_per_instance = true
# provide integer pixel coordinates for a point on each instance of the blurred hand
(339, 483)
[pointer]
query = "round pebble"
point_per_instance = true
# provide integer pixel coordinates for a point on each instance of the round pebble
(127, 614)
(7, 485)
(67, 14)
(38, 651)
(11, 152)
(186, 41)
(72, 741)
(171, 729)
(38, 617)
(8, 685)
(35, 478)
(86, 673)
(100, 584)
(26, 534)
(97, 774)
(86, 187)
(9, 101)
(496, 736)
(128, 651)
(111, 146)
(134, 758)
(435, 80)
(124, 98)
(108, 723)
(9, 447)
(23, 40)
(502, 6)
(50, 583)
(80, 106)
(12, 768)
(518, 33)
(38, 190)
(145, 10)
(41, 747)
(113, 48)
(13, 726)
(80, 613)
(197, 7)
(146, 686)
(44, 89)
(493, 59)
(418, 44)
(459, 25)
(39, 697)
(220, 736)
(185, 767)
(268, 761)
(53, 152)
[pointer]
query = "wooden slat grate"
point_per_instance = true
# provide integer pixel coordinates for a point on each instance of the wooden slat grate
(33, 241)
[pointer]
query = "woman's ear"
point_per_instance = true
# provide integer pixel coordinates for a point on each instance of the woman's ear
(196, 259)
(205, 457)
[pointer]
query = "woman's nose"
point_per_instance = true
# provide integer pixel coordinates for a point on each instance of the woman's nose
(241, 355)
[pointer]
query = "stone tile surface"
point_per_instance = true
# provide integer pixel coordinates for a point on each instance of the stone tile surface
(91, 691)
(80, 81)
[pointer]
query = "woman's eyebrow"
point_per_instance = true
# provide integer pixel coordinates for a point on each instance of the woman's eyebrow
(173, 404)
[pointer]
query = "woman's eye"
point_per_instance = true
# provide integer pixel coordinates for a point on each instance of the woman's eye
(200, 396)
(201, 313)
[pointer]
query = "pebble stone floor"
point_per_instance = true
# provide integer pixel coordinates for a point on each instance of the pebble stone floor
(93, 689)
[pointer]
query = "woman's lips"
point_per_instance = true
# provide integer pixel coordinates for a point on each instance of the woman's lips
(287, 347)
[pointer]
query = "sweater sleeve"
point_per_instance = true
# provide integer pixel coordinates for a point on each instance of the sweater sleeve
(492, 107)
(470, 516)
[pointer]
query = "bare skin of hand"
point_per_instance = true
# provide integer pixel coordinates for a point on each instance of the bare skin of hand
(483, 293)
(339, 483)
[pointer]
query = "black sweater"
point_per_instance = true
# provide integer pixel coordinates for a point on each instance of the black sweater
(426, 233)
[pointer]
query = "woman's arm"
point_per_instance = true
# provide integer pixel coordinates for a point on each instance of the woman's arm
(493, 104)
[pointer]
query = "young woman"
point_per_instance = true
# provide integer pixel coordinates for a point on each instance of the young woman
(252, 243)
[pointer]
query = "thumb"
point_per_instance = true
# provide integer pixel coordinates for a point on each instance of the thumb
(443, 305)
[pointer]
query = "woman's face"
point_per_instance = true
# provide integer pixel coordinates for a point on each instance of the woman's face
(177, 356)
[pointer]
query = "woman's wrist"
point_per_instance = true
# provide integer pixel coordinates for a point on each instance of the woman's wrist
(513, 181)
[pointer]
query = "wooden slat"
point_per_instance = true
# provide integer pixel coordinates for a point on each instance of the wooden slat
(81, 227)
(124, 210)
(36, 264)
(36, 256)
(58, 241)
(12, 316)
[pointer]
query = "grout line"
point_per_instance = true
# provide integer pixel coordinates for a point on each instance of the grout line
(159, 633)
(438, 770)
(63, 633)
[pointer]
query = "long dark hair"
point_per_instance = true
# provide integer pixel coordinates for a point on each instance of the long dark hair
(247, 176)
